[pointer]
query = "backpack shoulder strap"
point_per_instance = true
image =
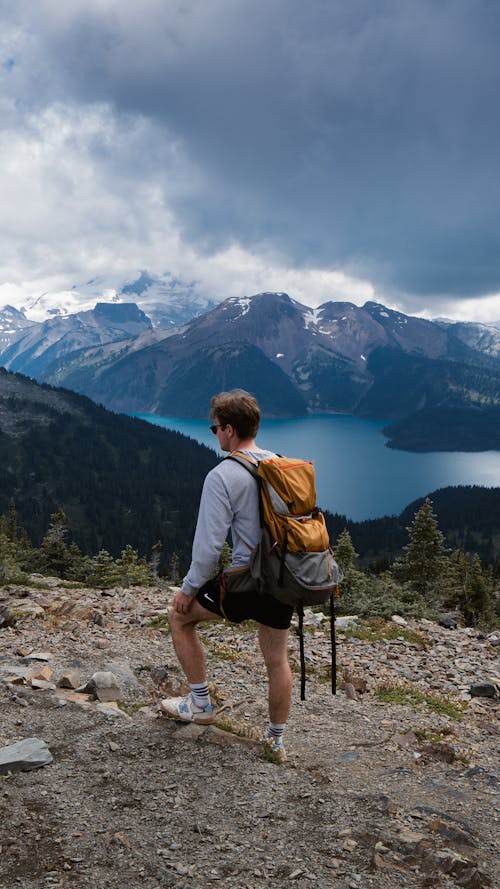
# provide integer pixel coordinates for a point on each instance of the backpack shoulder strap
(243, 460)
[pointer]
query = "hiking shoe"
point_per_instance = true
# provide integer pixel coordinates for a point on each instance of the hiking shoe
(186, 710)
(272, 751)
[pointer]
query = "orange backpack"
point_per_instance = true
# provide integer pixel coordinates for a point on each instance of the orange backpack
(293, 561)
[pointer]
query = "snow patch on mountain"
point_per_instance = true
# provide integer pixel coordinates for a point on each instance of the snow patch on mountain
(239, 302)
(312, 318)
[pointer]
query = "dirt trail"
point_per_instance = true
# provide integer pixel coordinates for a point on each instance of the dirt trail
(373, 795)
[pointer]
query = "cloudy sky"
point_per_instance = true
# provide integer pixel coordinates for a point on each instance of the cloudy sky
(335, 149)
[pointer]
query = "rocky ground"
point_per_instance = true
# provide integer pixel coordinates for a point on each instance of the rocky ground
(375, 793)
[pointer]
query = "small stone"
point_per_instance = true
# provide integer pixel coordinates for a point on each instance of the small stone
(69, 679)
(43, 685)
(41, 673)
(409, 739)
(410, 837)
(483, 690)
(448, 621)
(400, 621)
(110, 708)
(346, 621)
(189, 732)
(19, 609)
(7, 619)
(104, 685)
(349, 844)
(313, 618)
(349, 691)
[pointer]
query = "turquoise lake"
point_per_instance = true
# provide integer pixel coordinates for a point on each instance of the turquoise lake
(356, 474)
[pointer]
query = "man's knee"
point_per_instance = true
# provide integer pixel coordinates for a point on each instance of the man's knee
(177, 620)
(274, 659)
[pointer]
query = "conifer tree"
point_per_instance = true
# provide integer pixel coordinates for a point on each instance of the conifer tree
(345, 553)
(154, 562)
(474, 590)
(174, 570)
(54, 554)
(422, 561)
(12, 521)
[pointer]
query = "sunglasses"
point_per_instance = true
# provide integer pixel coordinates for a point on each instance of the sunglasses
(217, 426)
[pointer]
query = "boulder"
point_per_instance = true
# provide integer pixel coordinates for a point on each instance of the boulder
(31, 753)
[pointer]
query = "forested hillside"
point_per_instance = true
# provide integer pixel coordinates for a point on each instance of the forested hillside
(119, 480)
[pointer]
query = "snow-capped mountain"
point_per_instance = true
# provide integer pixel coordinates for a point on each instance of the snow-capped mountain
(36, 346)
(168, 301)
(340, 357)
(12, 323)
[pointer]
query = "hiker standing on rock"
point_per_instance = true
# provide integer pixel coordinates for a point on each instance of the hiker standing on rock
(230, 500)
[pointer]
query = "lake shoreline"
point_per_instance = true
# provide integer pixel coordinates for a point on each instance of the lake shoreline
(357, 475)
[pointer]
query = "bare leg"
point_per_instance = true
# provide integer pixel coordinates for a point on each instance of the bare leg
(274, 647)
(188, 647)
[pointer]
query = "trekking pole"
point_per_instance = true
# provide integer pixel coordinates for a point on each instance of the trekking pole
(300, 609)
(334, 645)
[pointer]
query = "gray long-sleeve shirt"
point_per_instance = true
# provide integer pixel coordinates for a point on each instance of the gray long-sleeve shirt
(229, 499)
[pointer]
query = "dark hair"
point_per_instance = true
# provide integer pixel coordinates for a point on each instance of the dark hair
(238, 408)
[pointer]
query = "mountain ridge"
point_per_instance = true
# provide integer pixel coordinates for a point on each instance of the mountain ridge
(368, 361)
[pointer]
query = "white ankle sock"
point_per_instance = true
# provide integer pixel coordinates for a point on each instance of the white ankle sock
(200, 694)
(275, 730)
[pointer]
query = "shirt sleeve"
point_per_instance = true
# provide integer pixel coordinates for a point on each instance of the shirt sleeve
(214, 520)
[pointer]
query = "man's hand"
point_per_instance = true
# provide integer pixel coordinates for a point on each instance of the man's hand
(182, 603)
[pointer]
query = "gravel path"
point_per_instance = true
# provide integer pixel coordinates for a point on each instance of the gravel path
(373, 794)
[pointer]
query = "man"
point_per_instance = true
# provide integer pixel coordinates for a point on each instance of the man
(230, 500)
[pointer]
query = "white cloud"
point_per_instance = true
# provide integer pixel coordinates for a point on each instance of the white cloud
(333, 151)
(65, 218)
(483, 309)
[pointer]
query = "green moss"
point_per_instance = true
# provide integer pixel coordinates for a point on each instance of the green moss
(431, 736)
(413, 697)
(130, 707)
(378, 630)
(226, 652)
(161, 623)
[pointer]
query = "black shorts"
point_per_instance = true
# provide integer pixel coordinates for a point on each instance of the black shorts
(235, 598)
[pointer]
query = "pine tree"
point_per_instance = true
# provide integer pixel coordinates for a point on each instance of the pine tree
(12, 521)
(174, 571)
(474, 590)
(345, 553)
(55, 558)
(154, 562)
(422, 561)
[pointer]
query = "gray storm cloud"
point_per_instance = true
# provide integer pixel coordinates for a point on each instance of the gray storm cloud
(358, 135)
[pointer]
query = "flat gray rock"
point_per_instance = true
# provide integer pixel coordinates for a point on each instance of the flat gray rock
(483, 690)
(31, 753)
